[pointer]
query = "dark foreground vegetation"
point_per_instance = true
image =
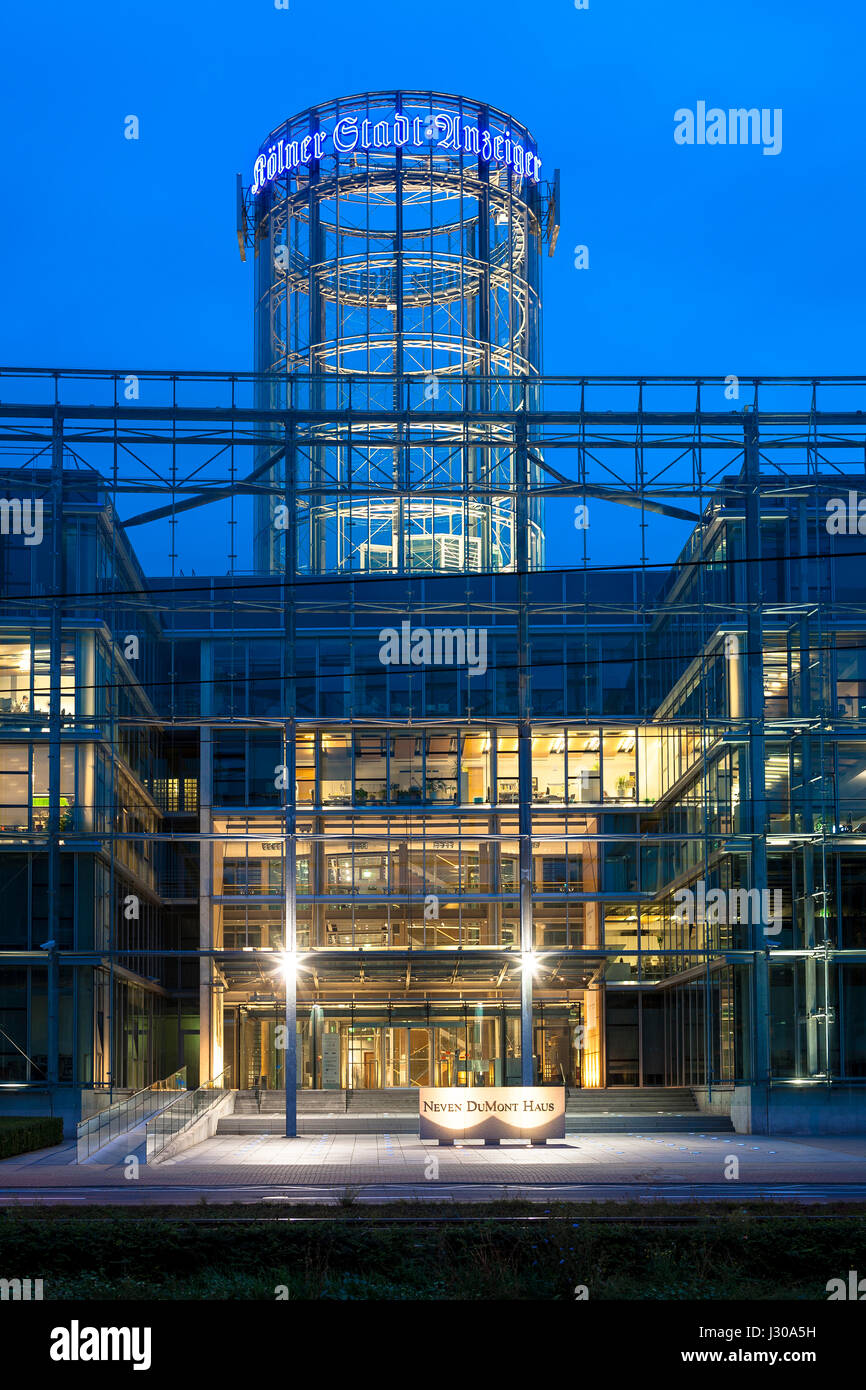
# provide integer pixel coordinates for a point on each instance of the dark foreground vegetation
(508, 1250)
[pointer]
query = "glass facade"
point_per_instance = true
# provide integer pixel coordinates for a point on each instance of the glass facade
(601, 825)
(684, 860)
(404, 257)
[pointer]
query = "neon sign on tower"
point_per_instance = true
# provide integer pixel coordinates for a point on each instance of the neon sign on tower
(445, 130)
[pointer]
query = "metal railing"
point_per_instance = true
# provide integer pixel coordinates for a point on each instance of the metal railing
(183, 1112)
(124, 1115)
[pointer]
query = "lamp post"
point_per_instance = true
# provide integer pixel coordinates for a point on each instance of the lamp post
(53, 1019)
(290, 968)
(290, 1061)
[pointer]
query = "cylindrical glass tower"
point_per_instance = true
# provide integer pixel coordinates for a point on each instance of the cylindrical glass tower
(398, 264)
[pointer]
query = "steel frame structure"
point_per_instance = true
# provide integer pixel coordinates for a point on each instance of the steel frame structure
(420, 260)
(193, 440)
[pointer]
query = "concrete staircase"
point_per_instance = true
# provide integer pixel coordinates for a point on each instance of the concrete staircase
(271, 1102)
(639, 1110)
(392, 1102)
(619, 1110)
(326, 1112)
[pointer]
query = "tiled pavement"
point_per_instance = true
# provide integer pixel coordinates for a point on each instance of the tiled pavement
(403, 1159)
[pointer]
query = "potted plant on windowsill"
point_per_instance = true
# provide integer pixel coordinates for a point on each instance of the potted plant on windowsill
(403, 794)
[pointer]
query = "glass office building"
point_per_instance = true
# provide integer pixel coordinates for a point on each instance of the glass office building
(601, 825)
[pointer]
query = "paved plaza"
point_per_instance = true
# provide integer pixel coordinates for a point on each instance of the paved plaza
(394, 1165)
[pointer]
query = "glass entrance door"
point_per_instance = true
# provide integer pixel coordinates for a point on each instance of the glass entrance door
(396, 1057)
(451, 1054)
(419, 1056)
(374, 1056)
(363, 1058)
(465, 1052)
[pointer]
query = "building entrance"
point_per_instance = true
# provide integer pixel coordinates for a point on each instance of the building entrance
(364, 1051)
(443, 1054)
(406, 1056)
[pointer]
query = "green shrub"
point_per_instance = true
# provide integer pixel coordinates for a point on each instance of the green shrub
(20, 1134)
(346, 1257)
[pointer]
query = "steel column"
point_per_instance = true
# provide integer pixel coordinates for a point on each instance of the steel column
(54, 760)
(290, 1078)
(754, 595)
(524, 749)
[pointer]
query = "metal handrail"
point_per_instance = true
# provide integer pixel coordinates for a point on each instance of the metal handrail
(123, 1115)
(179, 1114)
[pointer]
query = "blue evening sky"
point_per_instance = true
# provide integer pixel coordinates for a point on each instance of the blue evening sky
(703, 260)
